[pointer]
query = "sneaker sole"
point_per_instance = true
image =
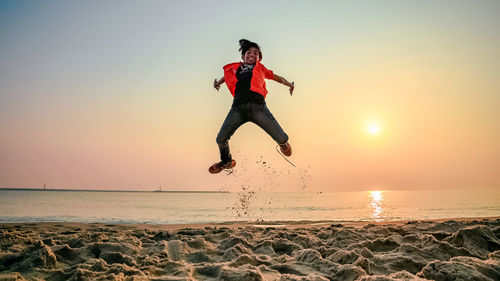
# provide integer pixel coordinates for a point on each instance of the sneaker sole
(217, 170)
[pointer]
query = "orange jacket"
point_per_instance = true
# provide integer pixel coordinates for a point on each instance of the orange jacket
(257, 84)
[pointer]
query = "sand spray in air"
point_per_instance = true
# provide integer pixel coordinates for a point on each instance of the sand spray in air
(256, 178)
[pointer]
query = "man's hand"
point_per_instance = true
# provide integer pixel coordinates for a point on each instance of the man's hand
(216, 85)
(283, 81)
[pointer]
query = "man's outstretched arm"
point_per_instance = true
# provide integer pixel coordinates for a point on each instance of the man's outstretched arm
(217, 83)
(283, 81)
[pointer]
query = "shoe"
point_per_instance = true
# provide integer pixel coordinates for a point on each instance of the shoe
(286, 149)
(218, 167)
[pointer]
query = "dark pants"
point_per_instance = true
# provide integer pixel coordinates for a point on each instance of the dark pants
(239, 115)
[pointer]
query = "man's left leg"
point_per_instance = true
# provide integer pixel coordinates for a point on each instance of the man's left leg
(261, 116)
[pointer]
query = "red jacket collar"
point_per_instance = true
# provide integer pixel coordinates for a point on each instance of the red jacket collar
(236, 65)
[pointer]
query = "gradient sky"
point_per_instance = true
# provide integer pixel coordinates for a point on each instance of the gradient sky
(118, 95)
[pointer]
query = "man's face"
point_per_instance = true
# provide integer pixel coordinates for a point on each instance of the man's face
(251, 56)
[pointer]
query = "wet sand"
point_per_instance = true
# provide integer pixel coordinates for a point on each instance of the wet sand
(451, 249)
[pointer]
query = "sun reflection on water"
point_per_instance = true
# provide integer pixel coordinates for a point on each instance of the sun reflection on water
(377, 210)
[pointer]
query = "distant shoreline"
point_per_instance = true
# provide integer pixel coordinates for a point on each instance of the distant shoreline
(108, 190)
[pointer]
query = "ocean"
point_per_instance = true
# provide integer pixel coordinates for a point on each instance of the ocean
(196, 207)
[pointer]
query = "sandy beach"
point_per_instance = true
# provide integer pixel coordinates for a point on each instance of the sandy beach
(458, 249)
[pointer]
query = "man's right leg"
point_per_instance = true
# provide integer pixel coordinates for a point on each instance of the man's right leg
(233, 121)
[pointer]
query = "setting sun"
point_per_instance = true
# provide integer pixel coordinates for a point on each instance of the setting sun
(373, 128)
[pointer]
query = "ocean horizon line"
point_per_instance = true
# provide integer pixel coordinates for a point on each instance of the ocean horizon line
(111, 190)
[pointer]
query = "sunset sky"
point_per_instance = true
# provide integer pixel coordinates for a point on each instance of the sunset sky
(118, 94)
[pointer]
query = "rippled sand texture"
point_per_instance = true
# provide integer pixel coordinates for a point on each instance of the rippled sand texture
(423, 250)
